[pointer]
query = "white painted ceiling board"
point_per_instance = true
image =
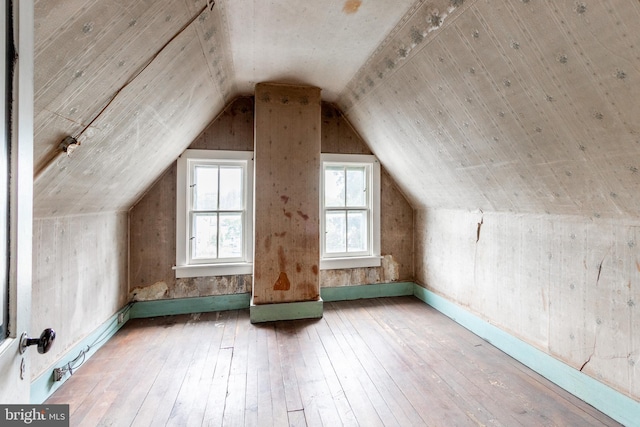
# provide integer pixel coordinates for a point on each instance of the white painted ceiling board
(321, 43)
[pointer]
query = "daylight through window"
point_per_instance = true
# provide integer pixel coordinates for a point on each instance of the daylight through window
(214, 212)
(350, 211)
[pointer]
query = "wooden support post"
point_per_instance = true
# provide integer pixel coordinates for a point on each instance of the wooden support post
(287, 164)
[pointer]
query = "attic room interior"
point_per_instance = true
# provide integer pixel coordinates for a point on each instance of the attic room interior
(351, 212)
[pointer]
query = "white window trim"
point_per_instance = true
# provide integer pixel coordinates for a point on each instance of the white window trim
(374, 258)
(182, 267)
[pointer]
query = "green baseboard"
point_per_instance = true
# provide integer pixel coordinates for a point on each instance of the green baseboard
(44, 385)
(285, 311)
(602, 397)
(167, 307)
(344, 293)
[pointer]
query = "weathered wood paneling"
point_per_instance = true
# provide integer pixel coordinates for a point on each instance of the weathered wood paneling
(521, 106)
(396, 215)
(567, 285)
(287, 164)
(79, 277)
(135, 84)
(152, 219)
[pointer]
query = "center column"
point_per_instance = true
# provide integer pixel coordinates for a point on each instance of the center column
(286, 263)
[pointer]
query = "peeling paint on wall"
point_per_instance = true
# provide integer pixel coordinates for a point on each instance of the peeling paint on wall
(158, 290)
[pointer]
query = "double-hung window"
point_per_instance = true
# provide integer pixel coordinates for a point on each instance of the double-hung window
(214, 214)
(350, 211)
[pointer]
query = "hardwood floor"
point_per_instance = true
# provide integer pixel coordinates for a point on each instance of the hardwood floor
(380, 362)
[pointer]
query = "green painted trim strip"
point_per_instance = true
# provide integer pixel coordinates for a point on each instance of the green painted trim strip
(602, 397)
(343, 293)
(166, 307)
(43, 386)
(286, 311)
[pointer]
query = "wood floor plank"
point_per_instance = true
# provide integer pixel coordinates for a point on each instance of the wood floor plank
(125, 407)
(179, 373)
(512, 388)
(214, 336)
(285, 336)
(109, 373)
(485, 411)
(296, 419)
(350, 373)
(327, 362)
(401, 360)
(497, 360)
(217, 392)
(388, 361)
(276, 382)
(404, 412)
(235, 403)
(80, 386)
(316, 396)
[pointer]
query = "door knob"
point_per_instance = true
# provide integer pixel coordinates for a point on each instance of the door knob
(47, 337)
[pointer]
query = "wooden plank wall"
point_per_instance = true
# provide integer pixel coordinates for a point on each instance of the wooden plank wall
(287, 161)
(152, 219)
(79, 278)
(566, 285)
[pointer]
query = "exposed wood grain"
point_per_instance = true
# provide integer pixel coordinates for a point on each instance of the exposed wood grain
(389, 361)
(287, 161)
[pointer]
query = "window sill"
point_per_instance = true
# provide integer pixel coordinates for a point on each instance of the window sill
(355, 262)
(203, 270)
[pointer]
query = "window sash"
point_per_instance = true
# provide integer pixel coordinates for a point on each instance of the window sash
(369, 235)
(230, 256)
(193, 213)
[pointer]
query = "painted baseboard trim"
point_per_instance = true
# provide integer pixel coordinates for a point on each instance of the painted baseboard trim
(44, 385)
(285, 311)
(602, 397)
(167, 307)
(345, 293)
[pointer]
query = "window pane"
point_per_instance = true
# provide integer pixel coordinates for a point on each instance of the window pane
(357, 231)
(335, 232)
(205, 194)
(356, 186)
(230, 235)
(204, 236)
(334, 186)
(231, 188)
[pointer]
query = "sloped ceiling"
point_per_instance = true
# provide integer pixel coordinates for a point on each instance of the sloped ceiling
(523, 106)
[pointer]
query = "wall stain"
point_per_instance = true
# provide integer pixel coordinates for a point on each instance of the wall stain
(282, 234)
(310, 291)
(303, 215)
(287, 214)
(298, 267)
(282, 259)
(638, 265)
(284, 199)
(282, 284)
(351, 6)
(315, 269)
(267, 243)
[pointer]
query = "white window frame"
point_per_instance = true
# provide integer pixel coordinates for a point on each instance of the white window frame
(372, 257)
(186, 164)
